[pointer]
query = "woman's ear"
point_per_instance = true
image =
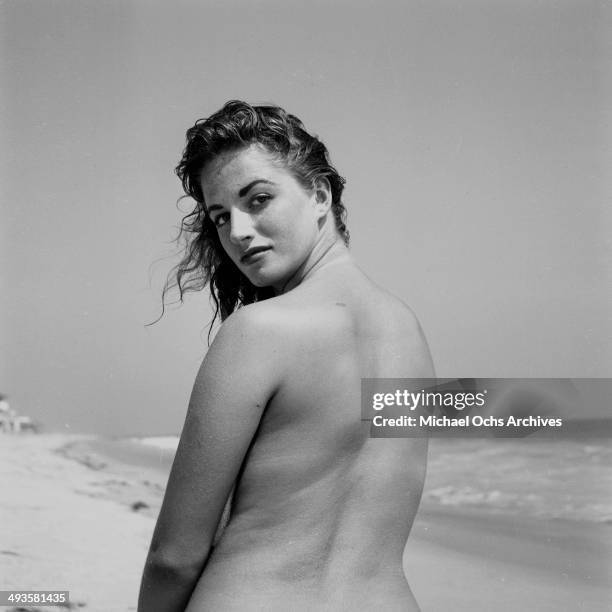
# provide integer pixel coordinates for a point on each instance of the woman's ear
(322, 196)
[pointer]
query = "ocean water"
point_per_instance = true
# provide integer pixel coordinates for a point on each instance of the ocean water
(548, 478)
(162, 442)
(568, 478)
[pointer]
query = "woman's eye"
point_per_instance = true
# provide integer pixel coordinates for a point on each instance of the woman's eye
(221, 220)
(260, 199)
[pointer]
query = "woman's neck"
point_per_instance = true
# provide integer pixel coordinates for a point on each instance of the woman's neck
(323, 254)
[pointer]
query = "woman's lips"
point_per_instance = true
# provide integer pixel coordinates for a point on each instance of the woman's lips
(256, 255)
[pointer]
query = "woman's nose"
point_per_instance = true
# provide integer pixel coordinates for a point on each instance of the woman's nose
(241, 226)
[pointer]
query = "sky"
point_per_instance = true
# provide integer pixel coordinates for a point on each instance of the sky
(474, 137)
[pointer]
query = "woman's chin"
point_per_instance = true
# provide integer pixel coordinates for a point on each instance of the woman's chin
(260, 284)
(275, 286)
(260, 280)
(268, 277)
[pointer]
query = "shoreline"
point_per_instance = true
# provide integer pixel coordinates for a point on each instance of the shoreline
(140, 474)
(84, 507)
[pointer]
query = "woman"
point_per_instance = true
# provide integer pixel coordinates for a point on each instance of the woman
(320, 511)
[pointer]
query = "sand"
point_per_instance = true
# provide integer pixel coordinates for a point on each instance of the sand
(464, 560)
(81, 520)
(63, 529)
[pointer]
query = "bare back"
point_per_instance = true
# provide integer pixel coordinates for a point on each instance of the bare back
(321, 511)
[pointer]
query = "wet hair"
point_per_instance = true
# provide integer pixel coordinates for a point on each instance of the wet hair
(235, 126)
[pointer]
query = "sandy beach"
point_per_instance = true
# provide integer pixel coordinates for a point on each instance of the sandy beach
(81, 510)
(66, 525)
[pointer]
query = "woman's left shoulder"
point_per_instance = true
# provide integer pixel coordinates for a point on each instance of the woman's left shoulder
(262, 324)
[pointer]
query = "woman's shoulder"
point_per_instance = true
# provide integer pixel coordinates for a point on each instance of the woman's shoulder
(264, 323)
(259, 342)
(249, 344)
(265, 316)
(282, 322)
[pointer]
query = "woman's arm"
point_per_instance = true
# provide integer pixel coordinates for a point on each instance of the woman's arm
(240, 373)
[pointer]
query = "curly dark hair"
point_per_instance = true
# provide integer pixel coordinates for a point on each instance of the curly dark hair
(233, 127)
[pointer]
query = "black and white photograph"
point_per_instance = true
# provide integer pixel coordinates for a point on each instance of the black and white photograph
(306, 306)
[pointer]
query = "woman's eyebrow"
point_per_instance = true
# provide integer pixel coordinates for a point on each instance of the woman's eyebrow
(213, 207)
(246, 188)
(241, 193)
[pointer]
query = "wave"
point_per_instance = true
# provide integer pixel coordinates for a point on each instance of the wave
(163, 442)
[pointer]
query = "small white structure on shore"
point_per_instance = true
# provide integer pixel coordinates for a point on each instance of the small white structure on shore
(11, 422)
(5, 415)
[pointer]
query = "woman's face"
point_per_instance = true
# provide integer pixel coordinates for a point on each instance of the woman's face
(266, 221)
